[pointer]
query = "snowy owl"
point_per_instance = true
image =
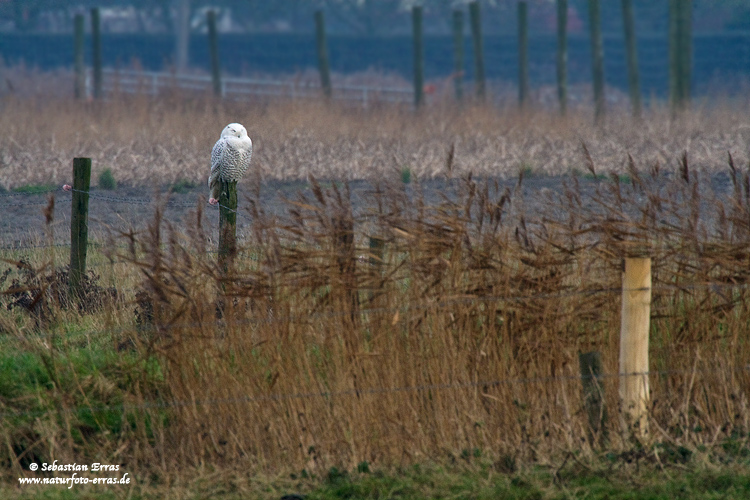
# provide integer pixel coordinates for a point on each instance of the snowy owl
(230, 157)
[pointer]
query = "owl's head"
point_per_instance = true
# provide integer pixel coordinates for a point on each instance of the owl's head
(234, 130)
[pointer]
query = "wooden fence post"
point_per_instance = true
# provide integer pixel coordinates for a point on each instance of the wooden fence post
(213, 45)
(631, 49)
(78, 61)
(686, 50)
(458, 53)
(227, 223)
(597, 58)
(634, 333)
(523, 53)
(79, 223)
(475, 16)
(562, 55)
(416, 17)
(590, 364)
(96, 53)
(322, 46)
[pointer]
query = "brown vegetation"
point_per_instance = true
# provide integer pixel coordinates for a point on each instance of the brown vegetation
(317, 349)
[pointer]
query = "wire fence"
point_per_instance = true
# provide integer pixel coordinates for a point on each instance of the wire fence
(30, 337)
(380, 67)
(483, 384)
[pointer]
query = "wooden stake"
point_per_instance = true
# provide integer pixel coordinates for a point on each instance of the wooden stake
(634, 336)
(631, 49)
(416, 16)
(227, 223)
(322, 46)
(213, 45)
(458, 53)
(475, 16)
(597, 58)
(590, 364)
(78, 61)
(686, 50)
(96, 41)
(523, 53)
(79, 223)
(562, 55)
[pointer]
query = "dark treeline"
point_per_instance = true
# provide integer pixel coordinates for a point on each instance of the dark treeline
(355, 17)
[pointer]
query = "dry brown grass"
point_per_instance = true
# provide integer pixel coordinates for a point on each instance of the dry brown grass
(141, 139)
(465, 334)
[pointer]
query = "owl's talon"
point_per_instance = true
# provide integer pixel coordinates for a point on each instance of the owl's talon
(67, 187)
(213, 201)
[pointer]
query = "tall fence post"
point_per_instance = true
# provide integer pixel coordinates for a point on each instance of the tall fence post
(597, 58)
(562, 55)
(631, 49)
(458, 53)
(523, 53)
(79, 223)
(96, 53)
(213, 45)
(634, 332)
(686, 50)
(590, 365)
(322, 46)
(78, 61)
(227, 223)
(475, 16)
(416, 16)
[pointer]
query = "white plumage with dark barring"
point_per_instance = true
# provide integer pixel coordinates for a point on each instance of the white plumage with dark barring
(230, 158)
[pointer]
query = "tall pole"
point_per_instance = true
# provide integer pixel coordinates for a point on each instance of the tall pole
(634, 333)
(597, 58)
(227, 223)
(416, 13)
(96, 40)
(562, 55)
(213, 45)
(458, 53)
(523, 53)
(322, 46)
(78, 62)
(475, 16)
(79, 223)
(686, 50)
(631, 49)
(182, 27)
(675, 99)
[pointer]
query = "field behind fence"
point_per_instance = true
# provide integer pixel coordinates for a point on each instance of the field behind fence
(406, 332)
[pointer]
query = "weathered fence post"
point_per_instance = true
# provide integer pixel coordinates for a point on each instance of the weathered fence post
(597, 58)
(634, 332)
(562, 55)
(475, 16)
(590, 364)
(458, 53)
(686, 50)
(227, 223)
(78, 61)
(79, 223)
(680, 53)
(322, 46)
(377, 255)
(213, 46)
(523, 53)
(631, 49)
(96, 53)
(416, 17)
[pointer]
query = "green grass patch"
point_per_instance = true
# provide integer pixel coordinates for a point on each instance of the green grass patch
(182, 186)
(107, 180)
(34, 188)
